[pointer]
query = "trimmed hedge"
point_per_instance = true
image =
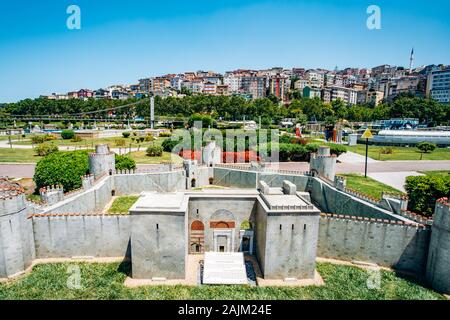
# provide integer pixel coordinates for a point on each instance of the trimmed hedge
(44, 149)
(65, 168)
(67, 134)
(423, 191)
(125, 163)
(154, 151)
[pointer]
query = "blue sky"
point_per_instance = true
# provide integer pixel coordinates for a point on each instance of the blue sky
(122, 41)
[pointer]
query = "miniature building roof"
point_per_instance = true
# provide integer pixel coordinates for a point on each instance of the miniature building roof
(278, 200)
(153, 201)
(9, 188)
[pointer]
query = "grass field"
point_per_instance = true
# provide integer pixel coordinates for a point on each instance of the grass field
(368, 185)
(86, 143)
(401, 153)
(122, 204)
(141, 158)
(18, 155)
(105, 281)
(443, 173)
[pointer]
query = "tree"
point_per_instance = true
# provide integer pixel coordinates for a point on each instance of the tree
(67, 134)
(425, 147)
(124, 163)
(154, 151)
(62, 168)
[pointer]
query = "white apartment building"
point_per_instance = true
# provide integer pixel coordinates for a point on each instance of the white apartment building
(348, 95)
(175, 82)
(233, 82)
(301, 84)
(438, 87)
(316, 78)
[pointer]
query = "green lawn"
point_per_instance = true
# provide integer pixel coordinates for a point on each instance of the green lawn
(368, 185)
(141, 158)
(401, 153)
(122, 204)
(18, 155)
(85, 143)
(105, 281)
(436, 173)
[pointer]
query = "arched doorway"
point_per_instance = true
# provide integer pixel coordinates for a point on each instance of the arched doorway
(193, 183)
(223, 224)
(197, 237)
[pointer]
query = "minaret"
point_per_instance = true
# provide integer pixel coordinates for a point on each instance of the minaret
(411, 60)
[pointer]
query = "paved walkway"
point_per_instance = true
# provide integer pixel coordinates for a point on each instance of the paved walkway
(352, 157)
(394, 179)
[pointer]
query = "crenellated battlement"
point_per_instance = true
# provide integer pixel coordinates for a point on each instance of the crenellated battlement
(373, 220)
(444, 201)
(416, 217)
(394, 196)
(362, 196)
(75, 214)
(52, 194)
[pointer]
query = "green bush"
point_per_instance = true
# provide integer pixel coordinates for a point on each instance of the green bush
(77, 139)
(45, 148)
(36, 139)
(120, 142)
(425, 147)
(65, 168)
(423, 191)
(206, 120)
(165, 134)
(154, 151)
(67, 134)
(387, 150)
(124, 163)
(126, 134)
(337, 149)
(41, 138)
(169, 144)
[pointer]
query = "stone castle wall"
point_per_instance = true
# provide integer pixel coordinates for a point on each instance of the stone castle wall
(74, 235)
(403, 247)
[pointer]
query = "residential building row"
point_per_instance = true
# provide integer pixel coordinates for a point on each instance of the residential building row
(352, 85)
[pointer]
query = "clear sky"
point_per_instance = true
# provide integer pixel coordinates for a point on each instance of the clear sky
(122, 41)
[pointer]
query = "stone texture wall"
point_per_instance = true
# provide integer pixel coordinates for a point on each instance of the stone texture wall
(81, 236)
(236, 178)
(331, 200)
(400, 246)
(438, 268)
(291, 246)
(16, 237)
(158, 243)
(138, 182)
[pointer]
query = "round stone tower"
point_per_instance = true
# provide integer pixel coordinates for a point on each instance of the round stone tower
(438, 266)
(16, 231)
(323, 163)
(102, 161)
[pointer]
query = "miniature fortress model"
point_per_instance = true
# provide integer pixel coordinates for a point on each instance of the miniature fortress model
(284, 219)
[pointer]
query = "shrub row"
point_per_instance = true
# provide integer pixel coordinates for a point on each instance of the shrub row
(423, 191)
(66, 168)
